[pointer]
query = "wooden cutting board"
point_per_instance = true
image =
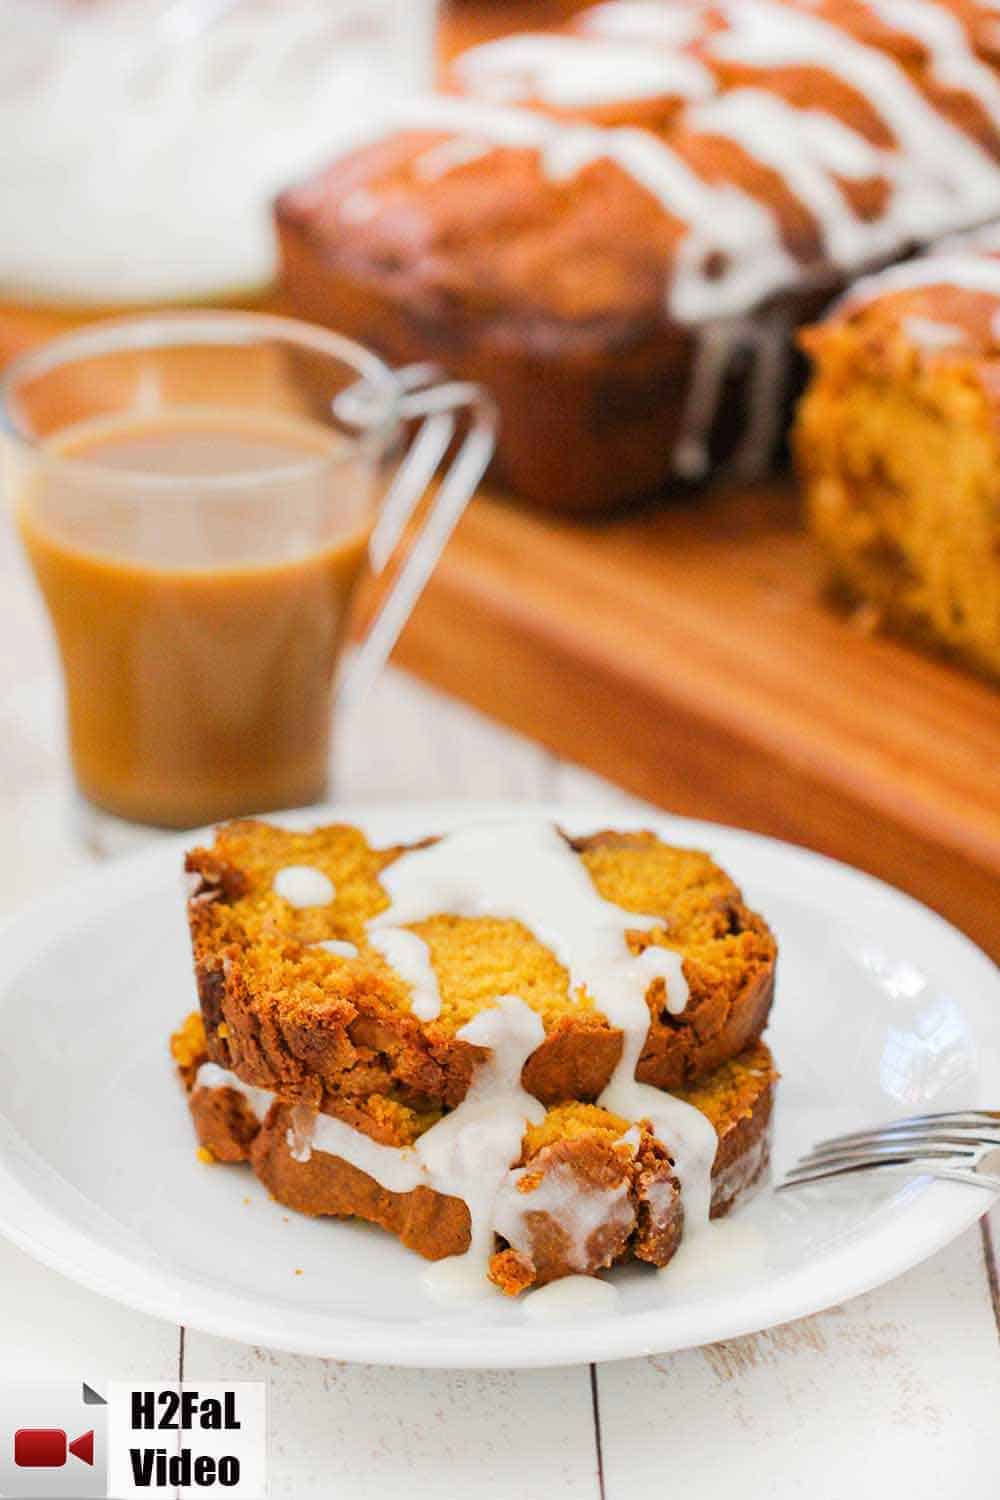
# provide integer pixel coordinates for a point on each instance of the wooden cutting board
(690, 655)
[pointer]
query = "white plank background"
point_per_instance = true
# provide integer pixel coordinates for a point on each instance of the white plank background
(896, 1393)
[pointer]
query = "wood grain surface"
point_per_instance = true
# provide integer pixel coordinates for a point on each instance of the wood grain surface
(691, 655)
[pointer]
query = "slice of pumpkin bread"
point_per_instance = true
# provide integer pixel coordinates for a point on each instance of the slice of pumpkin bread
(301, 993)
(588, 1190)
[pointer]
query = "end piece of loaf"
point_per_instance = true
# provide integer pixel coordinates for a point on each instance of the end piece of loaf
(898, 448)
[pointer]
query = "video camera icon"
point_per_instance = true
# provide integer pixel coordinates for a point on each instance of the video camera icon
(53, 1440)
(49, 1448)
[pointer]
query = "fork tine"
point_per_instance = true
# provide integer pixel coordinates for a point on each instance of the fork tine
(961, 1119)
(798, 1177)
(966, 1175)
(877, 1154)
(900, 1138)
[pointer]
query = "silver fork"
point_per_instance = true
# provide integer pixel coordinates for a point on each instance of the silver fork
(959, 1146)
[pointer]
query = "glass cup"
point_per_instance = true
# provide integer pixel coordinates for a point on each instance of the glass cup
(199, 495)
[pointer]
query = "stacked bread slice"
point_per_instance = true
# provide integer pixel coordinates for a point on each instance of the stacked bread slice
(526, 1055)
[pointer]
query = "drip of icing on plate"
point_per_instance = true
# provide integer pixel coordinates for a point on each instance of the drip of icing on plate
(569, 1300)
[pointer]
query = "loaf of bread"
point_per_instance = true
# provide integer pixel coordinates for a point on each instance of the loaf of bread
(466, 1040)
(616, 225)
(898, 445)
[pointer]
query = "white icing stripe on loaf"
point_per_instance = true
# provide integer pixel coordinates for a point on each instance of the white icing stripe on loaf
(972, 273)
(525, 871)
(646, 21)
(337, 946)
(942, 178)
(731, 257)
(579, 71)
(948, 45)
(809, 150)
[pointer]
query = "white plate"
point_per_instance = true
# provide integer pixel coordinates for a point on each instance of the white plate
(882, 1009)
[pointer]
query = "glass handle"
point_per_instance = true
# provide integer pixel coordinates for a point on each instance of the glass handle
(439, 404)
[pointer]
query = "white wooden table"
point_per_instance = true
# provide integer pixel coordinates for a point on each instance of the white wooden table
(896, 1393)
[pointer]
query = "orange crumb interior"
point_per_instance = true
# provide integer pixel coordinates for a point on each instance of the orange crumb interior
(900, 457)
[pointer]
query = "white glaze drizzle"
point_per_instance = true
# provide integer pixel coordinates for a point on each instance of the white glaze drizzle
(579, 1211)
(983, 240)
(768, 339)
(566, 70)
(941, 176)
(525, 871)
(645, 21)
(408, 955)
(211, 1076)
(447, 156)
(809, 150)
(303, 886)
(948, 45)
(466, 1155)
(971, 273)
(715, 348)
(337, 946)
(927, 333)
(731, 256)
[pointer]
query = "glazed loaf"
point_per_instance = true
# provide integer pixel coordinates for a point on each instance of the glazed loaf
(616, 225)
(898, 445)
